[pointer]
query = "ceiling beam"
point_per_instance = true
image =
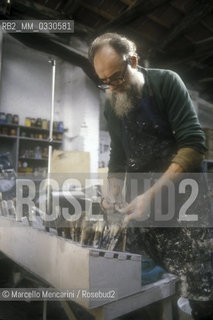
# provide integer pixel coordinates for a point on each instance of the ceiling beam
(198, 12)
(100, 12)
(35, 9)
(129, 3)
(59, 4)
(142, 8)
(71, 7)
(193, 52)
(196, 56)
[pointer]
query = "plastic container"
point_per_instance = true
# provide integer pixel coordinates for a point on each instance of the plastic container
(184, 309)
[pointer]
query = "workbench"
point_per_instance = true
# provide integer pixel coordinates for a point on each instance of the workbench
(64, 264)
(162, 290)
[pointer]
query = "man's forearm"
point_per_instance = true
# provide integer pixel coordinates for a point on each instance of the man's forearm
(188, 158)
(115, 186)
(169, 175)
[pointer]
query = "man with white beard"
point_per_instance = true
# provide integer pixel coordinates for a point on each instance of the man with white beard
(123, 101)
(154, 128)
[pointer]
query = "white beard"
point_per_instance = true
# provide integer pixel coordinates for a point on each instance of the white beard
(123, 102)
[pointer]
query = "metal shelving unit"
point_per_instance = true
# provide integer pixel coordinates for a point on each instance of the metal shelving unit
(14, 144)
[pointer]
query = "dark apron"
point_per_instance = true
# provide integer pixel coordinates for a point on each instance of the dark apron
(147, 135)
(187, 252)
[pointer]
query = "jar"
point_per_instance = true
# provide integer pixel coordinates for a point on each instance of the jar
(5, 131)
(60, 126)
(44, 124)
(38, 123)
(55, 125)
(33, 122)
(13, 132)
(2, 117)
(9, 118)
(15, 119)
(28, 122)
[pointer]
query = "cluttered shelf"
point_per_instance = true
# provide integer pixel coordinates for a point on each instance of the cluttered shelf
(28, 143)
(40, 129)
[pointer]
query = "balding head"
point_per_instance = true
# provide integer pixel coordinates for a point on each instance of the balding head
(107, 62)
(121, 44)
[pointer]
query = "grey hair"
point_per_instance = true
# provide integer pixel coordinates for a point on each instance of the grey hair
(119, 43)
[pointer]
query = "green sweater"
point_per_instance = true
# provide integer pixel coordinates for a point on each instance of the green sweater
(173, 100)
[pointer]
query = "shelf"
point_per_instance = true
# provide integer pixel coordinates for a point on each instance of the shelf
(37, 159)
(7, 136)
(39, 140)
(29, 176)
(17, 143)
(9, 124)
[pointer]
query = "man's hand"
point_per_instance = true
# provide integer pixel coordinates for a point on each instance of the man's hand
(138, 209)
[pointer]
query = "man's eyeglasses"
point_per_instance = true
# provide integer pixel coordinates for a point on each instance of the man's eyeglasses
(115, 82)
